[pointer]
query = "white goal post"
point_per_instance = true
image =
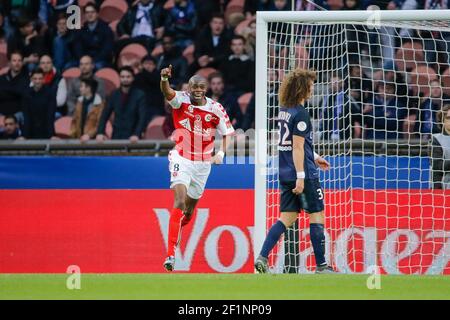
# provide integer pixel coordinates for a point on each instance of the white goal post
(397, 222)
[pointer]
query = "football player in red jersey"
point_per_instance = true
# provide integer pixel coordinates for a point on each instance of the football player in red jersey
(196, 119)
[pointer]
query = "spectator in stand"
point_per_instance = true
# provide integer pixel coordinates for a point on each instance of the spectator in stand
(360, 85)
(88, 111)
(12, 130)
(39, 107)
(338, 114)
(207, 8)
(73, 88)
(440, 151)
(226, 98)
(143, 23)
(95, 39)
(128, 105)
(15, 10)
(238, 70)
(212, 46)
(27, 41)
(148, 81)
(182, 22)
(172, 56)
(249, 33)
(13, 85)
(425, 118)
(384, 119)
(62, 45)
(56, 82)
(250, 7)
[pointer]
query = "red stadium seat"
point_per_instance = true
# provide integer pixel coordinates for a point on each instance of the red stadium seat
(157, 51)
(62, 127)
(71, 73)
(408, 56)
(205, 72)
(111, 79)
(301, 58)
(113, 26)
(420, 79)
(3, 55)
(4, 70)
(445, 81)
(83, 3)
(244, 100)
(154, 129)
(188, 53)
(169, 4)
(131, 53)
(112, 10)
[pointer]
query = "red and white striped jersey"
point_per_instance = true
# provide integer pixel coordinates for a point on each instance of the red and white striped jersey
(195, 126)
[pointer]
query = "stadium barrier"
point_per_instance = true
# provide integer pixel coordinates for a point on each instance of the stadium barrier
(110, 215)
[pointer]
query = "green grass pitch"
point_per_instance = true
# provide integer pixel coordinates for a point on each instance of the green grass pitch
(221, 287)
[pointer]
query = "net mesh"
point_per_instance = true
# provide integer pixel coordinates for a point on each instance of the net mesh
(377, 106)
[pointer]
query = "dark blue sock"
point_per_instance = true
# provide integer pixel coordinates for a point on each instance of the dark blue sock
(272, 238)
(318, 242)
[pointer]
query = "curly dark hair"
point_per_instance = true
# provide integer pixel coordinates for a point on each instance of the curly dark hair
(296, 87)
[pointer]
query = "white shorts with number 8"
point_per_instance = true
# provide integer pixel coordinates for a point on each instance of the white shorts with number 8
(192, 174)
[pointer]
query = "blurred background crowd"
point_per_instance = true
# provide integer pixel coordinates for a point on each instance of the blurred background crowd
(102, 80)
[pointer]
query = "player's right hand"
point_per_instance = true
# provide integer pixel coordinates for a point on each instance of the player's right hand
(167, 72)
(299, 186)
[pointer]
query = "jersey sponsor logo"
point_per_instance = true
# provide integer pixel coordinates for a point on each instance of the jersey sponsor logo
(284, 148)
(186, 124)
(301, 126)
(208, 118)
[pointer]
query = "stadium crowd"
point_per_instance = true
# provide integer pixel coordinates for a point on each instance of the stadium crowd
(102, 80)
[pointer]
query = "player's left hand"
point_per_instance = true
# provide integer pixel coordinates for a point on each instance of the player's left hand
(322, 163)
(299, 186)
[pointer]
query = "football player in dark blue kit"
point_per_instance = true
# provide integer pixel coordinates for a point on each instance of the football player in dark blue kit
(298, 170)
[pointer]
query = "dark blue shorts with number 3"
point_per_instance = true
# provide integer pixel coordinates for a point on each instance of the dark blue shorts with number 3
(311, 200)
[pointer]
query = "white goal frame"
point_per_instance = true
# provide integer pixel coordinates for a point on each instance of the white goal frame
(262, 20)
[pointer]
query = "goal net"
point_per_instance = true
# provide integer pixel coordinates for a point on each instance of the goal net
(378, 108)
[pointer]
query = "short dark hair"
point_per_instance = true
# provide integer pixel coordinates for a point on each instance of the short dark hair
(91, 5)
(217, 15)
(13, 117)
(15, 52)
(128, 69)
(213, 75)
(238, 37)
(91, 83)
(148, 57)
(37, 71)
(169, 34)
(23, 21)
(60, 16)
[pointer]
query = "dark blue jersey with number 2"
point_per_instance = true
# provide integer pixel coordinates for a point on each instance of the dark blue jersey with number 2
(295, 121)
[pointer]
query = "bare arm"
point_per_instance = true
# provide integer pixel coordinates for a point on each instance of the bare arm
(167, 91)
(220, 154)
(298, 155)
